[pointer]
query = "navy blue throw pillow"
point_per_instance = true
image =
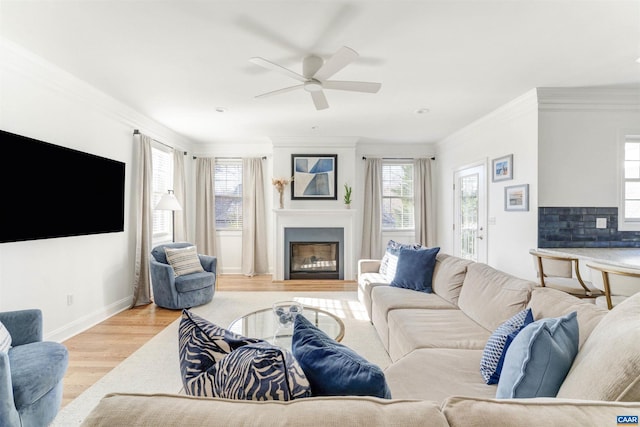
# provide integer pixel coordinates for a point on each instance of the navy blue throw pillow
(415, 269)
(333, 369)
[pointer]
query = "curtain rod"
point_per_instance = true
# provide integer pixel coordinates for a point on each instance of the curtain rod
(137, 132)
(232, 158)
(398, 158)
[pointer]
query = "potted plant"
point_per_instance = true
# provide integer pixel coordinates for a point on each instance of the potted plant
(347, 196)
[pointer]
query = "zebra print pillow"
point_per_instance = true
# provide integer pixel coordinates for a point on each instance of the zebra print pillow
(216, 362)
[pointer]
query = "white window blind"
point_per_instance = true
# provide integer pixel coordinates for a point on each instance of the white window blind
(631, 179)
(228, 187)
(162, 162)
(397, 196)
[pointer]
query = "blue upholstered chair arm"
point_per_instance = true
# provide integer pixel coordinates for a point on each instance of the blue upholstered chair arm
(8, 412)
(208, 263)
(25, 326)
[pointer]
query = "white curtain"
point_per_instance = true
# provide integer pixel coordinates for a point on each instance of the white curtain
(205, 206)
(254, 230)
(372, 213)
(144, 176)
(179, 190)
(423, 198)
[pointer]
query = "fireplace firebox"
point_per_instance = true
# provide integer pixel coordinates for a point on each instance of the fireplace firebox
(314, 260)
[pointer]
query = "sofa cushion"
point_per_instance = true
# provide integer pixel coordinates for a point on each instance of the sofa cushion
(184, 260)
(415, 269)
(542, 411)
(498, 343)
(389, 262)
(437, 373)
(387, 298)
(36, 369)
(366, 283)
(5, 339)
(411, 329)
(333, 369)
(448, 276)
(195, 281)
(539, 358)
(490, 296)
(548, 302)
(128, 409)
(607, 366)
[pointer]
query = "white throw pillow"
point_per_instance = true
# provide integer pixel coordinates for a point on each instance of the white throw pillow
(5, 339)
(184, 260)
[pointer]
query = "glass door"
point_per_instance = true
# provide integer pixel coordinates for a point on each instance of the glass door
(470, 207)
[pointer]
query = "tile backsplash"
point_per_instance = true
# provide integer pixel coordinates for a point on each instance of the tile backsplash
(573, 227)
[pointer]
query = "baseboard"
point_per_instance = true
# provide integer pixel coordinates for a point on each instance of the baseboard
(85, 322)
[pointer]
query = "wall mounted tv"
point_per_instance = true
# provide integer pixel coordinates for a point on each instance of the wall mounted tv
(52, 191)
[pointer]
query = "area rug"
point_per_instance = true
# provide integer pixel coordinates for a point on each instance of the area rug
(154, 368)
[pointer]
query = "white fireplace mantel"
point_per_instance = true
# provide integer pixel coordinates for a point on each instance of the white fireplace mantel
(307, 218)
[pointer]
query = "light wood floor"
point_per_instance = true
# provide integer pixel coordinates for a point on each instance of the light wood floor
(96, 351)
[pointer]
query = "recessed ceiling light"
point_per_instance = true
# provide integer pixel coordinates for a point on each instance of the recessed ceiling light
(422, 111)
(638, 60)
(221, 110)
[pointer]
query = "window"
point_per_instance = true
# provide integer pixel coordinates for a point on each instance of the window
(629, 212)
(397, 196)
(228, 187)
(162, 162)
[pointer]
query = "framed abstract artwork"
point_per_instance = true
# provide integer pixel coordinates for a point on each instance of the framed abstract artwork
(502, 168)
(315, 176)
(516, 198)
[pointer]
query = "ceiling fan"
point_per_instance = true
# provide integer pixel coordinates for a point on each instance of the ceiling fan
(315, 74)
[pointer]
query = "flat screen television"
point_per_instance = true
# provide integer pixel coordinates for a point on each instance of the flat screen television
(52, 191)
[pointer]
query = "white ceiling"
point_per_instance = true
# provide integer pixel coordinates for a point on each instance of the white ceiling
(177, 61)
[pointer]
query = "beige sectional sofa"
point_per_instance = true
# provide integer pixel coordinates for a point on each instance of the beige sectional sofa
(436, 342)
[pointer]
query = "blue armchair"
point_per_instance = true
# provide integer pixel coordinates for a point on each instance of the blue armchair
(31, 372)
(184, 291)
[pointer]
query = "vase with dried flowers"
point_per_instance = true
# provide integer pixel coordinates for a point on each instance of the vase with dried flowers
(280, 183)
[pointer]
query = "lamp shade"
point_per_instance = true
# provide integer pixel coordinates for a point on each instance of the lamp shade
(168, 202)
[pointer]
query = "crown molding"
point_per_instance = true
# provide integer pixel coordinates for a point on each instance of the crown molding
(315, 141)
(18, 60)
(589, 98)
(526, 103)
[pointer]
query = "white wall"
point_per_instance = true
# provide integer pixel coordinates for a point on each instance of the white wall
(511, 129)
(40, 101)
(579, 132)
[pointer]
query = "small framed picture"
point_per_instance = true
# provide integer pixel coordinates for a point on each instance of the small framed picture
(516, 198)
(502, 168)
(314, 176)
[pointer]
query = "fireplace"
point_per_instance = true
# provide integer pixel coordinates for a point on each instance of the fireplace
(314, 260)
(313, 253)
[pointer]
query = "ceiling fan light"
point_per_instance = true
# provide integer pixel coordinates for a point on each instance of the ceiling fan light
(312, 86)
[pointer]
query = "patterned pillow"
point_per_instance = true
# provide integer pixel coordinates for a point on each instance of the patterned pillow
(184, 260)
(5, 339)
(498, 343)
(389, 263)
(260, 371)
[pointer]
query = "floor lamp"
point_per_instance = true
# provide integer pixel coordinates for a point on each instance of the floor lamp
(169, 202)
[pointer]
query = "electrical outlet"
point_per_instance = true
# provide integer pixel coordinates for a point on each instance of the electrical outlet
(601, 222)
(69, 299)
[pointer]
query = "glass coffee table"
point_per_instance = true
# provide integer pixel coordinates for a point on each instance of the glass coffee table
(264, 324)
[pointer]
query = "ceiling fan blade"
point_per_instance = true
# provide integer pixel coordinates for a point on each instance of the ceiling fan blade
(279, 91)
(319, 100)
(343, 57)
(275, 67)
(368, 87)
